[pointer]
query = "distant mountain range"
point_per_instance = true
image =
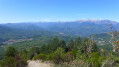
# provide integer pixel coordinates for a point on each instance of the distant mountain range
(79, 28)
(76, 28)
(8, 32)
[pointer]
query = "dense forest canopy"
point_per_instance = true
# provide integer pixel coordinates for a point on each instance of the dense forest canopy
(80, 51)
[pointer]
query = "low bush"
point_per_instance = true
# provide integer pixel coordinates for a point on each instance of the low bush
(40, 56)
(59, 56)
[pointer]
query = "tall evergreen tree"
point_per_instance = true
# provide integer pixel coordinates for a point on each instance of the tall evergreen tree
(83, 47)
(78, 43)
(71, 44)
(88, 46)
(94, 46)
(54, 43)
(62, 44)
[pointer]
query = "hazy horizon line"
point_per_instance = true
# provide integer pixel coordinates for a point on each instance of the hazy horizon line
(60, 21)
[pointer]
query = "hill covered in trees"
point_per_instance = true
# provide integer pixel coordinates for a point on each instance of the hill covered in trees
(7, 33)
(74, 53)
(34, 41)
(79, 28)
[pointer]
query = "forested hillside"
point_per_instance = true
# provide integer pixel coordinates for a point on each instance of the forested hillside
(59, 33)
(59, 42)
(21, 33)
(79, 28)
(74, 28)
(24, 35)
(83, 52)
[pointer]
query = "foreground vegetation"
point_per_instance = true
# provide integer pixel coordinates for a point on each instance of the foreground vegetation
(75, 53)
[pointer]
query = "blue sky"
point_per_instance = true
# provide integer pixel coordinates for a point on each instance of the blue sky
(57, 10)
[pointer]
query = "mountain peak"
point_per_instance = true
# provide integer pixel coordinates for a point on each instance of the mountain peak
(97, 21)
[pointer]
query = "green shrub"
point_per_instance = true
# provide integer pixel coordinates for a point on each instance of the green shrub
(20, 61)
(40, 56)
(95, 59)
(116, 59)
(8, 62)
(59, 55)
(70, 56)
(11, 51)
(50, 56)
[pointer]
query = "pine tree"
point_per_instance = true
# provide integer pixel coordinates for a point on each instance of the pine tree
(78, 43)
(62, 44)
(83, 47)
(71, 44)
(54, 44)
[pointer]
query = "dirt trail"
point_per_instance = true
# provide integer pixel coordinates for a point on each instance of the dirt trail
(38, 63)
